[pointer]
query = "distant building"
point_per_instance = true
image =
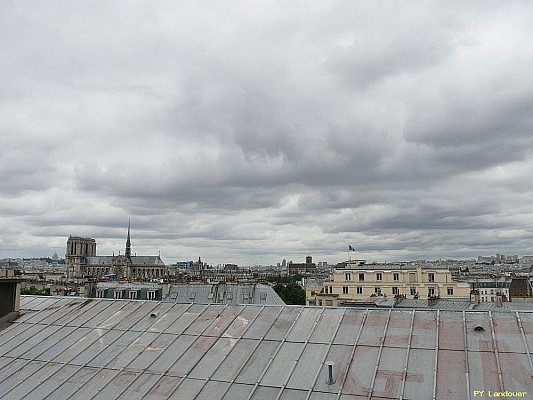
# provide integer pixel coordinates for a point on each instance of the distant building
(224, 293)
(355, 280)
(201, 270)
(301, 268)
(131, 291)
(526, 260)
(521, 287)
(491, 291)
(230, 268)
(82, 261)
(498, 259)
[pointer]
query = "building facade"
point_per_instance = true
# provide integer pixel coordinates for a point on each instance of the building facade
(491, 291)
(302, 268)
(81, 261)
(355, 280)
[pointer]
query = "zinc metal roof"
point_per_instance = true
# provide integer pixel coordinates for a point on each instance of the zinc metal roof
(459, 305)
(440, 304)
(121, 349)
(127, 285)
(227, 293)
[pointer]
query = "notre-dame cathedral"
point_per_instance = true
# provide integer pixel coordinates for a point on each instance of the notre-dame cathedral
(82, 261)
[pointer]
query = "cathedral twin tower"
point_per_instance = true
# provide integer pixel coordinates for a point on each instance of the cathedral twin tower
(82, 262)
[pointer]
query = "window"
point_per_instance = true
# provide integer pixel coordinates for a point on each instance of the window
(431, 291)
(395, 290)
(345, 289)
(492, 298)
(491, 291)
(150, 295)
(133, 294)
(359, 290)
(377, 290)
(361, 276)
(379, 276)
(348, 277)
(396, 276)
(431, 277)
(450, 291)
(320, 302)
(117, 294)
(100, 294)
(413, 291)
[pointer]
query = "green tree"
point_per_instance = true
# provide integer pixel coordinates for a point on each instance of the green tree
(291, 293)
(34, 291)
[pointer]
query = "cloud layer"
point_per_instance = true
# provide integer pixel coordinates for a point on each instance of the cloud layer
(255, 131)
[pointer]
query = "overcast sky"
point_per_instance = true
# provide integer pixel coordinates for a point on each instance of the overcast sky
(253, 131)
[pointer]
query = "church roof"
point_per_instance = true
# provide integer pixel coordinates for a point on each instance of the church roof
(123, 349)
(147, 260)
(100, 261)
(136, 261)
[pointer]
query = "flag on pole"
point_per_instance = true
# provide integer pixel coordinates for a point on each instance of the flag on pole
(350, 248)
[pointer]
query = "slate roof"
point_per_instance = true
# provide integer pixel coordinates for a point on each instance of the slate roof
(128, 285)
(121, 349)
(135, 261)
(100, 260)
(229, 293)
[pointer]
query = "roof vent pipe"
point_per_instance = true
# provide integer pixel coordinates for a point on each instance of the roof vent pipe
(330, 380)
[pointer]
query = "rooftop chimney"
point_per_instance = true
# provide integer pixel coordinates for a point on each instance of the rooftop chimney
(9, 298)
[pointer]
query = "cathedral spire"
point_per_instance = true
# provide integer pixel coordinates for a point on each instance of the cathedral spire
(128, 243)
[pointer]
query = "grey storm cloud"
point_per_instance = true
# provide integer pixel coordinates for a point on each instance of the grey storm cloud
(255, 131)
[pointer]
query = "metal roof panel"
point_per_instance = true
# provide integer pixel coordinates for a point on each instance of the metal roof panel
(71, 388)
(350, 323)
(419, 379)
(254, 352)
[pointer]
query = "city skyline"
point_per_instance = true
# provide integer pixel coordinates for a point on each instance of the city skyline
(254, 132)
(480, 258)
